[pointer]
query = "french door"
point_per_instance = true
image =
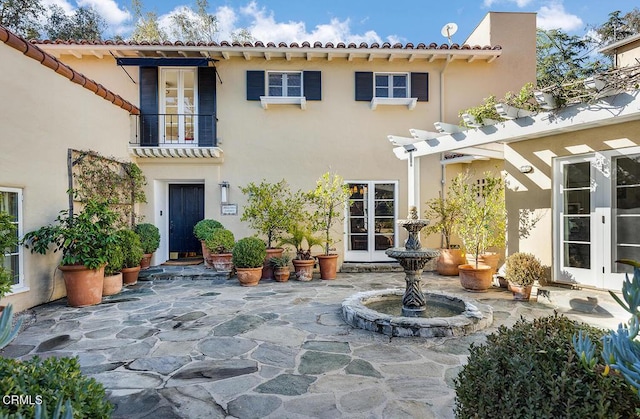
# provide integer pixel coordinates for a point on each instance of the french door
(178, 105)
(370, 225)
(597, 207)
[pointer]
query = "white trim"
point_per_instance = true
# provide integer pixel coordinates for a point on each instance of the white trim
(180, 105)
(265, 101)
(177, 152)
(284, 85)
(409, 102)
(20, 286)
(389, 87)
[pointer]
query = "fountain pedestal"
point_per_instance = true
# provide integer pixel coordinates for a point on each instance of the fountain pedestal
(413, 258)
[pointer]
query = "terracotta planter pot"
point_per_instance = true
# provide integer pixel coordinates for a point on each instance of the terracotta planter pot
(449, 260)
(249, 277)
(490, 259)
(303, 269)
(112, 284)
(145, 262)
(267, 269)
(328, 266)
(221, 262)
(281, 273)
(520, 292)
(84, 286)
(206, 254)
(130, 275)
(475, 279)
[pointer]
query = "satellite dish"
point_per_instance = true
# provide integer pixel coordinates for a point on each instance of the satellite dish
(448, 30)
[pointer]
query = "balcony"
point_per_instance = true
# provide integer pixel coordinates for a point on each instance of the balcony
(174, 136)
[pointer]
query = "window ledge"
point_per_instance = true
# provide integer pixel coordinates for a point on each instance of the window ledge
(283, 100)
(409, 102)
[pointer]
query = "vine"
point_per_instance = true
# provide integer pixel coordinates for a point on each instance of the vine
(106, 179)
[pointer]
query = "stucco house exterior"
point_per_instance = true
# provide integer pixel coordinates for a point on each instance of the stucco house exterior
(206, 119)
(572, 172)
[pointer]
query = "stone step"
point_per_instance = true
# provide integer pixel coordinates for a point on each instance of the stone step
(356, 267)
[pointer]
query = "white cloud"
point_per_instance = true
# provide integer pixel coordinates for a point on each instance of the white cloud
(108, 9)
(519, 3)
(65, 5)
(554, 16)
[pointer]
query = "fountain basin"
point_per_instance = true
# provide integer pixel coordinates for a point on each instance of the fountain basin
(473, 316)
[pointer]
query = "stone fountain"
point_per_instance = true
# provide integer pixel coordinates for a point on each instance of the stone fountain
(434, 314)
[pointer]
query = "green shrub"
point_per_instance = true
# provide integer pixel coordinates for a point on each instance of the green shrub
(54, 379)
(523, 268)
(280, 261)
(8, 242)
(220, 240)
(532, 371)
(249, 253)
(149, 237)
(132, 247)
(204, 228)
(115, 258)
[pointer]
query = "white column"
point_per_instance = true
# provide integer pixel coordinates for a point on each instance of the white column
(413, 182)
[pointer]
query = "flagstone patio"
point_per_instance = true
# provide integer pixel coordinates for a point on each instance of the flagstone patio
(187, 342)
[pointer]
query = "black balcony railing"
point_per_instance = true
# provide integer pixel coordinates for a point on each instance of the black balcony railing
(155, 130)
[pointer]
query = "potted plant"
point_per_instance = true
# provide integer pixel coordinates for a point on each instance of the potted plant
(248, 257)
(482, 224)
(443, 212)
(269, 210)
(84, 240)
(280, 265)
(112, 283)
(219, 246)
(328, 198)
(303, 263)
(202, 231)
(150, 240)
(8, 242)
(522, 270)
(132, 254)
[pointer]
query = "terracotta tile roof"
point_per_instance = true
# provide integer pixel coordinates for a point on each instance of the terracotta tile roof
(48, 60)
(260, 44)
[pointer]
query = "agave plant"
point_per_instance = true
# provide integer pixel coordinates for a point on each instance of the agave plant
(7, 333)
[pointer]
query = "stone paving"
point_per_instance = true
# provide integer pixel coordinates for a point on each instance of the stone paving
(186, 342)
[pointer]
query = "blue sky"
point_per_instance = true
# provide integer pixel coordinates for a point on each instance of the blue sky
(361, 20)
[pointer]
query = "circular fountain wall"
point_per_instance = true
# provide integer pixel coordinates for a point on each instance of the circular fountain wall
(453, 315)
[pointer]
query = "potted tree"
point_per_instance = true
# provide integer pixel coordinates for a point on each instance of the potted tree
(482, 224)
(150, 240)
(328, 198)
(8, 242)
(113, 269)
(84, 240)
(280, 265)
(269, 210)
(248, 258)
(443, 212)
(202, 231)
(303, 263)
(132, 254)
(219, 246)
(522, 270)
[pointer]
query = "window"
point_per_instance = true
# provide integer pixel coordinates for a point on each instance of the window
(11, 203)
(285, 84)
(392, 85)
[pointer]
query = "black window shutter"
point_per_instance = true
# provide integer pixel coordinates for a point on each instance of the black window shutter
(149, 106)
(364, 85)
(312, 85)
(420, 86)
(206, 106)
(255, 84)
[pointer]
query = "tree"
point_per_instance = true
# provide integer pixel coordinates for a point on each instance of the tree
(618, 27)
(85, 23)
(563, 58)
(147, 27)
(190, 25)
(21, 16)
(242, 35)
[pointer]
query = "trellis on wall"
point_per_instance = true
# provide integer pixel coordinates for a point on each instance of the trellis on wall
(96, 177)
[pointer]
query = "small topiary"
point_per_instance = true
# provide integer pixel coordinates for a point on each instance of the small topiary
(249, 252)
(132, 247)
(523, 268)
(204, 228)
(115, 259)
(220, 240)
(532, 371)
(52, 380)
(149, 237)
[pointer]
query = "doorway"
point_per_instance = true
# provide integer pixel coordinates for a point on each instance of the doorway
(186, 208)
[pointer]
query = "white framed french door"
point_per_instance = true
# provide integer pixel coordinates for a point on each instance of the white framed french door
(597, 217)
(370, 222)
(178, 93)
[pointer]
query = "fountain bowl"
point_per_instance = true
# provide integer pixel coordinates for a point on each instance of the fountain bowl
(473, 316)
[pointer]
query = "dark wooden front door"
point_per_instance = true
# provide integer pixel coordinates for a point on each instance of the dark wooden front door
(186, 208)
